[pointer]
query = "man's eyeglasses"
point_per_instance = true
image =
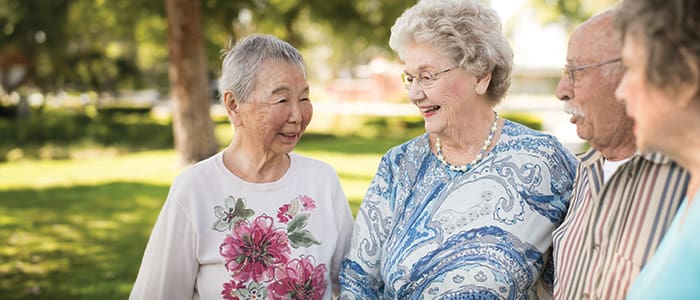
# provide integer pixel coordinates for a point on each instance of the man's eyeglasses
(568, 71)
(425, 80)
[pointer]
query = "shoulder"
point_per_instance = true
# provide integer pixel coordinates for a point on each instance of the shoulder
(193, 181)
(516, 136)
(656, 158)
(416, 145)
(404, 157)
(528, 144)
(312, 165)
(516, 131)
(206, 167)
(658, 163)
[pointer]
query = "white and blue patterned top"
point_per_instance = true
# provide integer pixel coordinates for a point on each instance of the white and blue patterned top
(425, 232)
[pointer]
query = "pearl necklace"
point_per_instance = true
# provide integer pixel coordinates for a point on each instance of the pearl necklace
(464, 168)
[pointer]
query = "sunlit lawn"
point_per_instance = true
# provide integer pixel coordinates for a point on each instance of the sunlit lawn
(76, 229)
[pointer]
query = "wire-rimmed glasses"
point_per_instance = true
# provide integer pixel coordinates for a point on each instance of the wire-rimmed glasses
(568, 71)
(424, 79)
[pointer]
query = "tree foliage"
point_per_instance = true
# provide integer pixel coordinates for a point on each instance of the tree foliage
(104, 45)
(569, 12)
(32, 34)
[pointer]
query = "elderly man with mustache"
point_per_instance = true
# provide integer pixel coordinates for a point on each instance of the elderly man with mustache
(623, 200)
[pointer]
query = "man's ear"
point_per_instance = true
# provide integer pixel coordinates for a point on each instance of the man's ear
(482, 84)
(232, 105)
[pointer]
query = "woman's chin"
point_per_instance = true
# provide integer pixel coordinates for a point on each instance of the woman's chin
(431, 127)
(646, 145)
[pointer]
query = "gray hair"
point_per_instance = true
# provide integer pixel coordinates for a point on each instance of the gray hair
(242, 63)
(467, 31)
(669, 31)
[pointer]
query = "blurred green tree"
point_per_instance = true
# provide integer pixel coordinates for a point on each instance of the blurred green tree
(569, 12)
(31, 33)
(103, 46)
(75, 45)
(355, 30)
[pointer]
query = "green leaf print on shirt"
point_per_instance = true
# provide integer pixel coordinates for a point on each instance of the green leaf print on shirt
(298, 236)
(231, 213)
(298, 222)
(302, 238)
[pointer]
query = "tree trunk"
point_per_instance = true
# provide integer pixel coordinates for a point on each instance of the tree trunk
(192, 125)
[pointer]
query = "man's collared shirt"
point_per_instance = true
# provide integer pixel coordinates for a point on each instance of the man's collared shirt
(613, 228)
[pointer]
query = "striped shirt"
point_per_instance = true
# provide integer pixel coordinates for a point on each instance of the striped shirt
(611, 230)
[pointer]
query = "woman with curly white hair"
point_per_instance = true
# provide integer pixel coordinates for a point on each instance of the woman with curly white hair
(467, 209)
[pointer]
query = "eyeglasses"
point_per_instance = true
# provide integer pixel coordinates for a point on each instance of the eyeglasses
(425, 79)
(568, 71)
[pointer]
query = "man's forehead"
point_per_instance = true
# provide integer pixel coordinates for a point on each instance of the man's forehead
(590, 47)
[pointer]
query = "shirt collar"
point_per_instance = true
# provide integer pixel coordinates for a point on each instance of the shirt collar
(591, 156)
(655, 157)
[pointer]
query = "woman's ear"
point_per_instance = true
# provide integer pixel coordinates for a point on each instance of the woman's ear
(482, 84)
(232, 106)
(689, 90)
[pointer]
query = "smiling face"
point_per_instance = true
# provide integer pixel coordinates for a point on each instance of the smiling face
(451, 98)
(278, 111)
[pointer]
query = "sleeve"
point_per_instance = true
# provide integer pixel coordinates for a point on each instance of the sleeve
(563, 174)
(545, 286)
(169, 266)
(360, 276)
(344, 229)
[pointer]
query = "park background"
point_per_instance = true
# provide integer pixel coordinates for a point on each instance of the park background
(94, 114)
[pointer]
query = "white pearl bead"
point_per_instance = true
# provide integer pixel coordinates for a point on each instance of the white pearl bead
(464, 168)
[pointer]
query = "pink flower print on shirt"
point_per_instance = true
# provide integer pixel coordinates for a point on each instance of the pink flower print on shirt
(299, 279)
(289, 211)
(230, 289)
(253, 251)
(238, 291)
(307, 203)
(283, 214)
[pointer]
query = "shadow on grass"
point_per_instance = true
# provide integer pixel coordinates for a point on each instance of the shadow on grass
(81, 242)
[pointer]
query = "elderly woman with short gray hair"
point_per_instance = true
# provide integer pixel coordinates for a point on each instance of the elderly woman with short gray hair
(254, 221)
(466, 210)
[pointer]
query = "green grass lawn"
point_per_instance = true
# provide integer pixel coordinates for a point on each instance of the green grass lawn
(76, 229)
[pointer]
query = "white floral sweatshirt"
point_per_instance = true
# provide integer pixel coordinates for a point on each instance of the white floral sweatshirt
(219, 237)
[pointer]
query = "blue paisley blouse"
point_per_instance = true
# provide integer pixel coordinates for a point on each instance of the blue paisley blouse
(425, 232)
